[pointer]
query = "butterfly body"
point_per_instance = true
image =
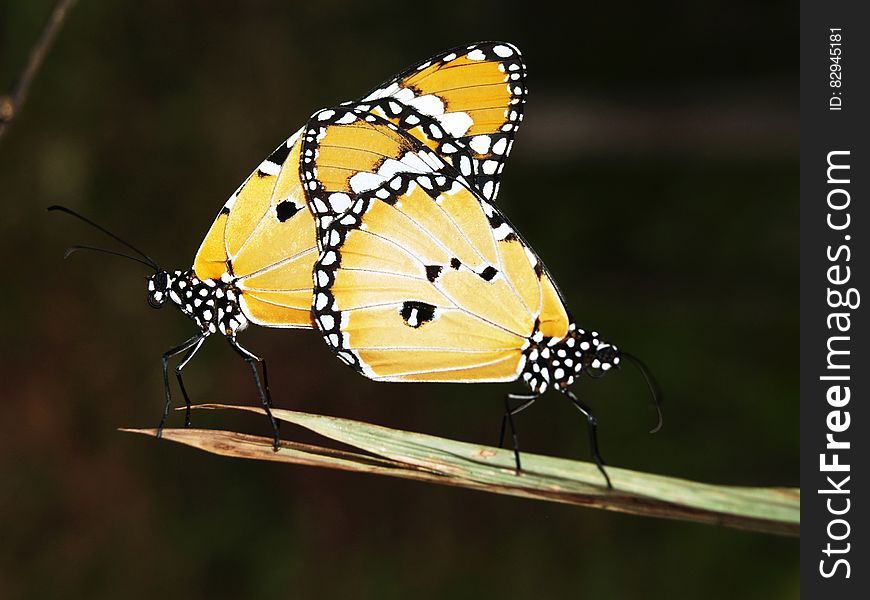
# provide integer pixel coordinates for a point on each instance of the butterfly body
(557, 362)
(255, 264)
(213, 304)
(421, 278)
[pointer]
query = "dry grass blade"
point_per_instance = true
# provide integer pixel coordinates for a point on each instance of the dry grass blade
(428, 458)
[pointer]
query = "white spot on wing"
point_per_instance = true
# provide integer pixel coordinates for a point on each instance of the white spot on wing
(412, 161)
(480, 143)
(503, 51)
(383, 92)
(502, 231)
(464, 165)
(339, 202)
(428, 105)
(364, 181)
(269, 168)
(403, 95)
(456, 123)
(488, 189)
(500, 146)
(533, 260)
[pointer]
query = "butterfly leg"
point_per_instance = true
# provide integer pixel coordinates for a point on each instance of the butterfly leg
(265, 396)
(508, 418)
(592, 423)
(266, 385)
(191, 346)
(178, 369)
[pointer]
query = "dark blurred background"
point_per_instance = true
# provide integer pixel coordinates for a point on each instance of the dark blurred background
(655, 173)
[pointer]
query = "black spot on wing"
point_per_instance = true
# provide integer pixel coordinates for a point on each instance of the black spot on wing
(455, 263)
(495, 220)
(433, 272)
(279, 155)
(285, 210)
(416, 314)
(488, 273)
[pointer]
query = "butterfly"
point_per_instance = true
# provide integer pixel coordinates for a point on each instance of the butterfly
(255, 263)
(420, 278)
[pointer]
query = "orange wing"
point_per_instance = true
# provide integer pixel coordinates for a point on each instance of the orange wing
(263, 240)
(467, 103)
(420, 278)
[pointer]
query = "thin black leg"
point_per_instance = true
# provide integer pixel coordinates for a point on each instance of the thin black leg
(266, 384)
(508, 418)
(178, 369)
(265, 397)
(592, 423)
(194, 341)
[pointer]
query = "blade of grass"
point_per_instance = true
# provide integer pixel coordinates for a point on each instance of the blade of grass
(429, 458)
(242, 445)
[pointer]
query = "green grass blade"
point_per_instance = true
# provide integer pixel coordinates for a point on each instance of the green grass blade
(429, 458)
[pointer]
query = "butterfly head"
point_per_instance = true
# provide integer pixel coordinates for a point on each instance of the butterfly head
(213, 304)
(601, 358)
(558, 361)
(158, 288)
(591, 355)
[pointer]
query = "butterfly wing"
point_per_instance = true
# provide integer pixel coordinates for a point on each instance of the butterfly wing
(419, 277)
(465, 103)
(264, 239)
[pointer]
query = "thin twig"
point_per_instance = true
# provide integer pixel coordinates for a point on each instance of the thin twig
(10, 105)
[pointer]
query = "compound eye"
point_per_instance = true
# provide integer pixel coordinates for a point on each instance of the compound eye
(608, 354)
(156, 299)
(162, 281)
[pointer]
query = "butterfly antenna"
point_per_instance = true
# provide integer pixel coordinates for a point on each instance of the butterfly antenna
(77, 248)
(653, 385)
(147, 259)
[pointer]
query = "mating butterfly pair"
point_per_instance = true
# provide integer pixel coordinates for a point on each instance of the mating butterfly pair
(376, 224)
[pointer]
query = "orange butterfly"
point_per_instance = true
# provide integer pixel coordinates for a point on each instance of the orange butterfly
(255, 263)
(421, 278)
